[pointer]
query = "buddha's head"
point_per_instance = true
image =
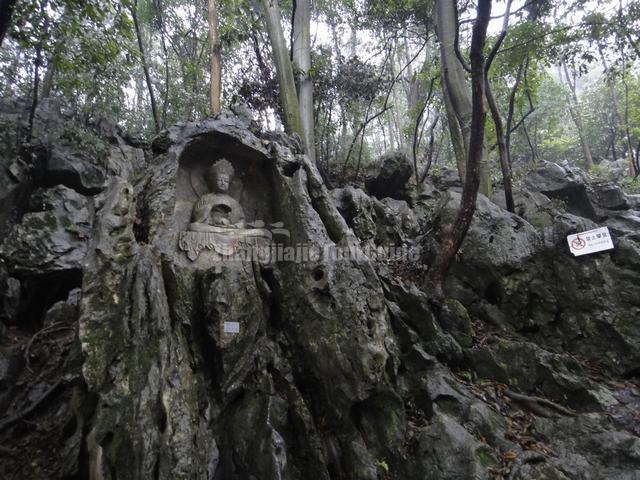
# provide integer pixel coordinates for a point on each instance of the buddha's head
(219, 175)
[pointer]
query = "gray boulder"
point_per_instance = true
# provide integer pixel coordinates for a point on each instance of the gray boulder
(563, 184)
(386, 222)
(610, 196)
(634, 201)
(52, 237)
(392, 178)
(70, 168)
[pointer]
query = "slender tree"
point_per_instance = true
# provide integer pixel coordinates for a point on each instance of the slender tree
(301, 57)
(145, 65)
(454, 86)
(456, 233)
(455, 90)
(576, 116)
(37, 67)
(503, 147)
(288, 95)
(214, 45)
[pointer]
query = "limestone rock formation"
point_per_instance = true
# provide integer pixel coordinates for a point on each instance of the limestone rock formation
(392, 177)
(315, 359)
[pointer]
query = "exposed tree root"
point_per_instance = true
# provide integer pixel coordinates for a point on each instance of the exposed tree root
(54, 327)
(22, 414)
(524, 458)
(538, 405)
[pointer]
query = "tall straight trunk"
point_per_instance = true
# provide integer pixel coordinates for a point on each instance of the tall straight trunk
(635, 165)
(6, 12)
(286, 82)
(455, 234)
(165, 51)
(455, 133)
(512, 102)
(503, 150)
(456, 92)
(145, 67)
(47, 81)
(392, 131)
(503, 145)
(301, 57)
(574, 111)
(52, 65)
(36, 86)
(534, 155)
(454, 84)
(616, 109)
(36, 70)
(214, 46)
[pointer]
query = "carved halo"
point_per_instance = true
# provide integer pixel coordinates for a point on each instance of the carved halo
(197, 176)
(223, 166)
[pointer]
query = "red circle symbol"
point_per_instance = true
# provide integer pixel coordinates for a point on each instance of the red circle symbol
(578, 243)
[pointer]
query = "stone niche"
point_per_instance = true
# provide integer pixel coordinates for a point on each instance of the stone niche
(248, 193)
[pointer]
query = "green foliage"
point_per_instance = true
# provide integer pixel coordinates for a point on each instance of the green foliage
(393, 14)
(383, 466)
(87, 45)
(559, 205)
(98, 71)
(85, 139)
(357, 81)
(631, 185)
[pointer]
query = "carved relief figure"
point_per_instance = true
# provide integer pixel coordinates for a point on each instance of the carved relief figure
(217, 219)
(217, 209)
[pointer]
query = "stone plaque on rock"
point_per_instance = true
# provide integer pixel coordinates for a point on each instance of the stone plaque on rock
(231, 327)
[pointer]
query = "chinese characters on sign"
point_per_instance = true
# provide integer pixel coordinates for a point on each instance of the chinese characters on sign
(591, 241)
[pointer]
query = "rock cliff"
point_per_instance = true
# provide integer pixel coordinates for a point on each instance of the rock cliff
(123, 357)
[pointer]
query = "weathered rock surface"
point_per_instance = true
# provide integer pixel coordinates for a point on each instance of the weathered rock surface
(338, 367)
(52, 236)
(392, 177)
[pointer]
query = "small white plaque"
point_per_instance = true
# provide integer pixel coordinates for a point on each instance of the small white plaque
(231, 327)
(590, 242)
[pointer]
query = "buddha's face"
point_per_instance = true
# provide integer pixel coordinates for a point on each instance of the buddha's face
(222, 182)
(218, 179)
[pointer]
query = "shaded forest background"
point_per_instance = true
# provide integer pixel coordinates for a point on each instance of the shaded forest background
(564, 78)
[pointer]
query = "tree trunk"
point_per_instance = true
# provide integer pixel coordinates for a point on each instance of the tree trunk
(6, 12)
(503, 144)
(145, 67)
(534, 155)
(214, 45)
(512, 102)
(455, 234)
(301, 56)
(456, 92)
(36, 71)
(616, 109)
(574, 111)
(454, 86)
(503, 150)
(457, 138)
(286, 82)
(165, 51)
(36, 86)
(52, 65)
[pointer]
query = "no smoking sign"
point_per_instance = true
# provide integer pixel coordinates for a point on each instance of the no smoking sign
(590, 241)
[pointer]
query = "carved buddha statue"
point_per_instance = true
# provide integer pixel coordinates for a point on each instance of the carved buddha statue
(217, 211)
(217, 219)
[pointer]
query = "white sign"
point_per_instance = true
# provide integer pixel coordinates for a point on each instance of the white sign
(231, 327)
(590, 242)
